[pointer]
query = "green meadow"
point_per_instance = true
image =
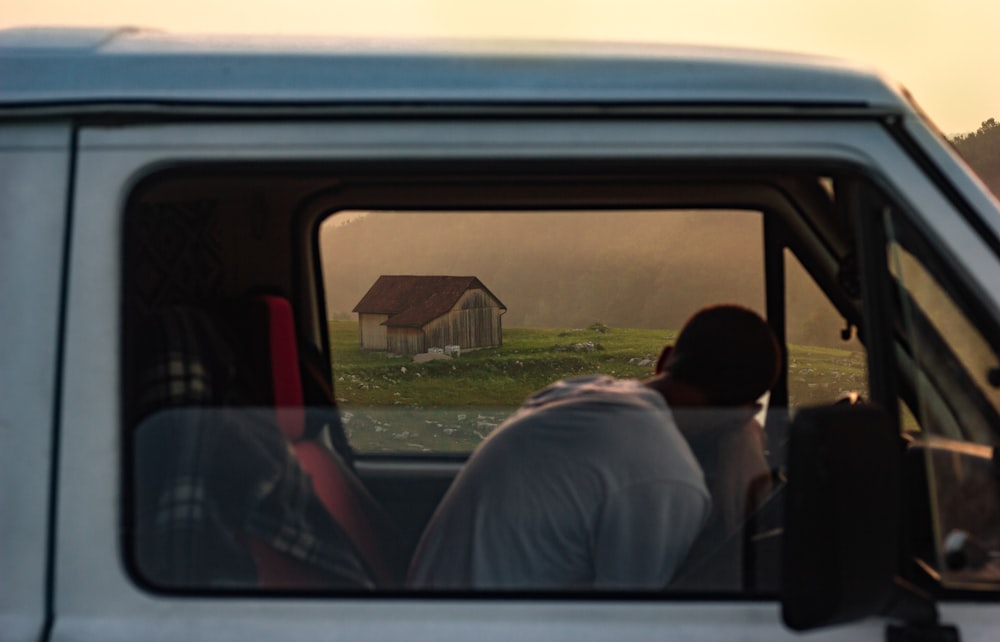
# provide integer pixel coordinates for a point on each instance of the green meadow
(392, 404)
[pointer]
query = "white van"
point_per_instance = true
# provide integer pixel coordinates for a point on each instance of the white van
(226, 262)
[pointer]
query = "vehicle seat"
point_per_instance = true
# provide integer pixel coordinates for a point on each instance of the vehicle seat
(219, 498)
(317, 388)
(740, 481)
(268, 320)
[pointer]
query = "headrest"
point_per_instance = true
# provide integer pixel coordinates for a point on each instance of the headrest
(264, 330)
(286, 381)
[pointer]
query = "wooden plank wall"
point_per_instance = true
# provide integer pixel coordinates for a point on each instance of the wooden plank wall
(474, 322)
(373, 333)
(407, 341)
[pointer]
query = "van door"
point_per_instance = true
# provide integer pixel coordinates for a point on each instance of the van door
(35, 163)
(246, 185)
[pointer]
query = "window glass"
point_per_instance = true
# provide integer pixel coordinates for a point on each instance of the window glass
(332, 427)
(963, 353)
(823, 365)
(947, 368)
(442, 323)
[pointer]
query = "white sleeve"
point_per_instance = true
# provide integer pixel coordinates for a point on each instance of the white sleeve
(644, 533)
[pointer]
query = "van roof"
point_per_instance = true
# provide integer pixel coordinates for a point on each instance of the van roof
(74, 68)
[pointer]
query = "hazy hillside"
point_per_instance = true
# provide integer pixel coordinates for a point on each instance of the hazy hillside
(571, 269)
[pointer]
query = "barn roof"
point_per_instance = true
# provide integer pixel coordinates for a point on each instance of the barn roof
(413, 301)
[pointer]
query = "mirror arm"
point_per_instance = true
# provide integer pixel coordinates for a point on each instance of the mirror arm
(847, 331)
(911, 604)
(917, 617)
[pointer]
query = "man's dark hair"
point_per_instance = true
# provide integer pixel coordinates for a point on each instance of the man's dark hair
(728, 352)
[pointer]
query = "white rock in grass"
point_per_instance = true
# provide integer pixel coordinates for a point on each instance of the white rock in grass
(429, 356)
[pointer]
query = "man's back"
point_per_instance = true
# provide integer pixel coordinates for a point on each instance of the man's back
(590, 485)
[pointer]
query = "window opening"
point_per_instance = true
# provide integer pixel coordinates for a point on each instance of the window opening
(561, 294)
(510, 301)
(822, 366)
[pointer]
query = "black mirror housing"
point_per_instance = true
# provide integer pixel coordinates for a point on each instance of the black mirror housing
(842, 515)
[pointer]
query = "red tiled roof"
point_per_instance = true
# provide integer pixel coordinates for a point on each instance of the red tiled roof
(414, 301)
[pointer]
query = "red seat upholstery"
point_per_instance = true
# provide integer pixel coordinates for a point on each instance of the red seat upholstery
(270, 318)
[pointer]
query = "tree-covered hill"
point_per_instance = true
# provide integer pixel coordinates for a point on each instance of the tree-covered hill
(981, 149)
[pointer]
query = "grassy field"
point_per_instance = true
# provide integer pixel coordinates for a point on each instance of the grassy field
(391, 404)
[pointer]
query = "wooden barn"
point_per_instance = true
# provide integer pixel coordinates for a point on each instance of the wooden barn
(411, 314)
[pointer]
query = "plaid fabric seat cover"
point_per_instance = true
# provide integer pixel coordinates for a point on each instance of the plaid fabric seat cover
(218, 490)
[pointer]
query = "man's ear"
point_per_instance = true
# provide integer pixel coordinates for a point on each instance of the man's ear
(661, 361)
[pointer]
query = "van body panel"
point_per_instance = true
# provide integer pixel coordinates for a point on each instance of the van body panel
(430, 619)
(135, 66)
(34, 177)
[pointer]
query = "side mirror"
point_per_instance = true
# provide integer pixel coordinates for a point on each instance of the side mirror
(842, 512)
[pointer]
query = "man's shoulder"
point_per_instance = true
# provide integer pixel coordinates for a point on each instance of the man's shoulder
(592, 388)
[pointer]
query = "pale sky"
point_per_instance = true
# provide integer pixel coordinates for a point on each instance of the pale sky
(946, 52)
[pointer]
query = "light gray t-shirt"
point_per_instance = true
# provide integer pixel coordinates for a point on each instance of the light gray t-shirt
(589, 485)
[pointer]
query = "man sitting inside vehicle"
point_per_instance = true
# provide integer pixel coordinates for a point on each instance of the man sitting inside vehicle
(592, 484)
